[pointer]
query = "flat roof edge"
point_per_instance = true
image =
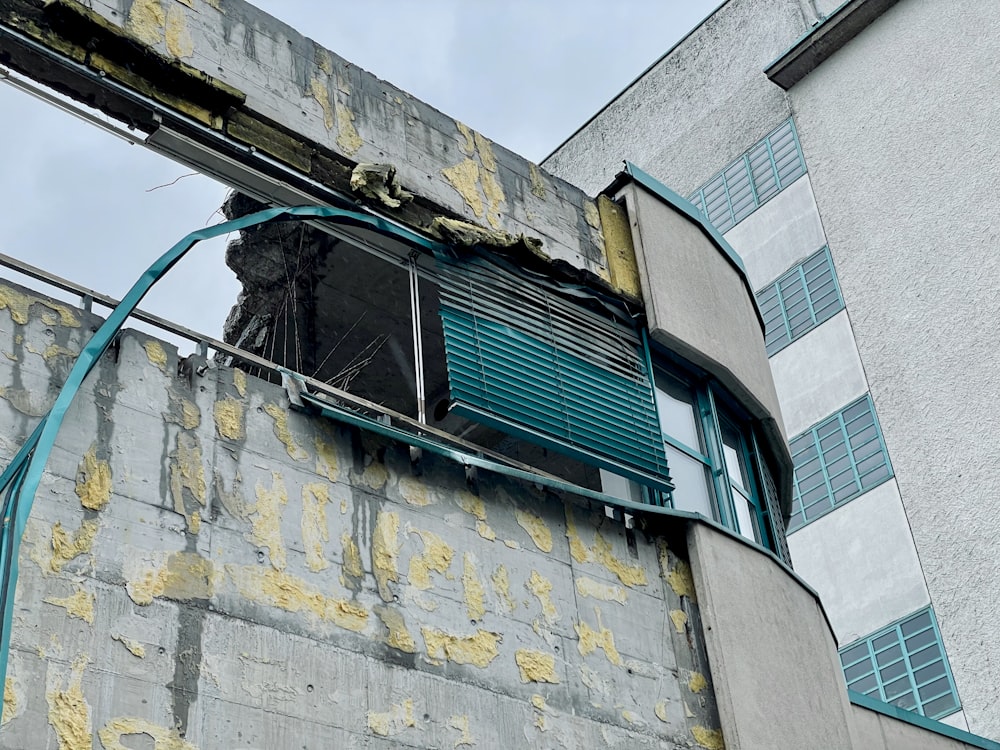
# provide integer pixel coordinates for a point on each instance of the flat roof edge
(824, 39)
(918, 720)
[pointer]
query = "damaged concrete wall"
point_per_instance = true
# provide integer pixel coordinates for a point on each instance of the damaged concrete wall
(227, 75)
(208, 569)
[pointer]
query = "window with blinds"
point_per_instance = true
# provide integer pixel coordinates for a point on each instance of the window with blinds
(766, 169)
(802, 298)
(837, 460)
(904, 665)
(530, 361)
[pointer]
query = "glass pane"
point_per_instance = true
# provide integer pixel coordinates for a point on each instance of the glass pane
(691, 481)
(619, 486)
(732, 448)
(678, 415)
(744, 516)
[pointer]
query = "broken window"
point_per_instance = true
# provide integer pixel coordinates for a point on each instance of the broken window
(546, 374)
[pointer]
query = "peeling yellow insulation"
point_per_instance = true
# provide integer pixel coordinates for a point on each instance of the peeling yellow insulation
(183, 576)
(321, 94)
(461, 724)
(347, 137)
(352, 556)
(478, 650)
(541, 587)
(240, 382)
(602, 638)
(471, 504)
(501, 585)
(660, 709)
(385, 552)
(395, 721)
(229, 420)
(710, 739)
(415, 492)
(679, 618)
(69, 712)
(437, 556)
(188, 472)
(680, 580)
(536, 666)
(19, 304)
(292, 594)
(475, 596)
(606, 592)
(66, 547)
(281, 431)
(134, 647)
(93, 482)
(697, 682)
(315, 498)
(375, 475)
(177, 35)
(536, 528)
(266, 520)
(79, 605)
(399, 636)
(146, 21)
(11, 700)
(164, 738)
(156, 354)
(464, 177)
(630, 575)
(327, 463)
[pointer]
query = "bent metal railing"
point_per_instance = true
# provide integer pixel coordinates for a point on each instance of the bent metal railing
(21, 477)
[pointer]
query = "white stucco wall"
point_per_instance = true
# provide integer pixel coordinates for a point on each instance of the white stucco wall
(779, 234)
(668, 122)
(906, 178)
(871, 577)
(818, 374)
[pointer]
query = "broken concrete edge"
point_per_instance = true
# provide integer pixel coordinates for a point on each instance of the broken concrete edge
(102, 51)
(378, 183)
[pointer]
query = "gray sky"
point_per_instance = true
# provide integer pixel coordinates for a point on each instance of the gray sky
(81, 203)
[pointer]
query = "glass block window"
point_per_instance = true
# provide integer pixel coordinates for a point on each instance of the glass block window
(837, 460)
(904, 665)
(800, 300)
(766, 169)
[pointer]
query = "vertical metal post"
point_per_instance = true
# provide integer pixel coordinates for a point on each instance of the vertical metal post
(418, 343)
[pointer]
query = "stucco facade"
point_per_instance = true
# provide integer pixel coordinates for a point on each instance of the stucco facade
(897, 133)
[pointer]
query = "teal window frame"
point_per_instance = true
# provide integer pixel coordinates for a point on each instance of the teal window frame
(714, 408)
(904, 665)
(799, 300)
(759, 174)
(836, 460)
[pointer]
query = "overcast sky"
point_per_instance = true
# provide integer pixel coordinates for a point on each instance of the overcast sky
(82, 204)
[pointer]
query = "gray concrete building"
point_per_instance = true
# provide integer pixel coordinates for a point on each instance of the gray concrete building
(485, 461)
(848, 152)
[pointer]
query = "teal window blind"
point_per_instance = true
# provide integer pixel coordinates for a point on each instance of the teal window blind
(531, 362)
(775, 522)
(766, 169)
(802, 298)
(905, 665)
(837, 460)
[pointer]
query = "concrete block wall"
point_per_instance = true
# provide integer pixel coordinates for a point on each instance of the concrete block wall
(208, 569)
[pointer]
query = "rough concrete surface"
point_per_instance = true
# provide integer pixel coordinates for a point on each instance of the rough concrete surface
(205, 569)
(667, 121)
